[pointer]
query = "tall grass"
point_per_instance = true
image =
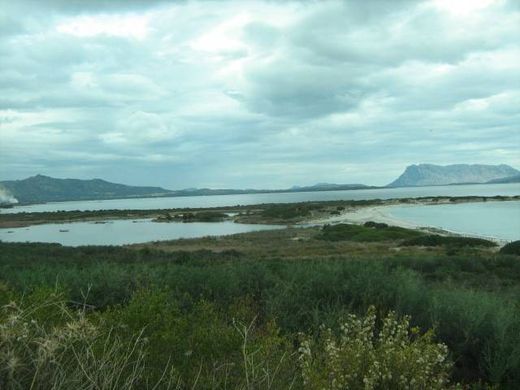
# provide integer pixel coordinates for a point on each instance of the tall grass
(46, 345)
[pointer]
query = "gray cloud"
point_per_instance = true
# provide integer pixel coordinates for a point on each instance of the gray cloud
(255, 94)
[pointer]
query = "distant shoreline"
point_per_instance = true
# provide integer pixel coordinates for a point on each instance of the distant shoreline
(380, 214)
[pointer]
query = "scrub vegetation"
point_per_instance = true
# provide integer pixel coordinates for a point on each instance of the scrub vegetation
(436, 240)
(370, 232)
(201, 216)
(297, 308)
(512, 248)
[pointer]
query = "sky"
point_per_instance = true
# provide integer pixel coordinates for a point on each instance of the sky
(256, 94)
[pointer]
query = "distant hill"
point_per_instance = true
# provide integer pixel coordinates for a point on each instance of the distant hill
(229, 191)
(40, 189)
(429, 174)
(327, 187)
(509, 179)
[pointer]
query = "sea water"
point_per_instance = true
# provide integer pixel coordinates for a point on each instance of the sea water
(288, 197)
(486, 219)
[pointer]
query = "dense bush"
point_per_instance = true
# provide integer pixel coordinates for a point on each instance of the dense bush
(288, 211)
(368, 233)
(512, 248)
(44, 344)
(472, 302)
(436, 240)
(155, 342)
(376, 225)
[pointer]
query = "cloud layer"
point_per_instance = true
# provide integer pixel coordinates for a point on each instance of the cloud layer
(256, 94)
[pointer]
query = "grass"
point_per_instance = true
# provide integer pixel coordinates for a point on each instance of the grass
(44, 344)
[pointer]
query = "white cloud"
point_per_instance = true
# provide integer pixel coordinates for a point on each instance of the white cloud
(256, 93)
(463, 7)
(139, 128)
(126, 26)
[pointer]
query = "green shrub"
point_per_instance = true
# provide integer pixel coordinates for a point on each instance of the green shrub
(185, 332)
(361, 357)
(204, 216)
(289, 211)
(512, 248)
(371, 233)
(458, 242)
(376, 225)
(153, 342)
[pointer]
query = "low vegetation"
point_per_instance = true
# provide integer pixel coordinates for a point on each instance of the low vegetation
(45, 344)
(450, 241)
(233, 317)
(289, 211)
(512, 248)
(370, 232)
(200, 216)
(154, 342)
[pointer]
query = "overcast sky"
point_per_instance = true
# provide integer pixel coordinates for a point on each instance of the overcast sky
(262, 94)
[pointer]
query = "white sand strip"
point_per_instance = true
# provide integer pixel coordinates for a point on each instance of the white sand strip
(380, 214)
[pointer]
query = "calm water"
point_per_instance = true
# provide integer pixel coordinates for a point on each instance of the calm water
(487, 219)
(248, 199)
(119, 232)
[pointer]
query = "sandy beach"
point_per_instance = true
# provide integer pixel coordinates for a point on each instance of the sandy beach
(381, 214)
(364, 214)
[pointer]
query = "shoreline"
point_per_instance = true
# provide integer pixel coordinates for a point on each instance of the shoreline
(361, 215)
(295, 214)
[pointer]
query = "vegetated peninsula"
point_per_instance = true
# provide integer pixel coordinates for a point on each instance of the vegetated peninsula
(431, 175)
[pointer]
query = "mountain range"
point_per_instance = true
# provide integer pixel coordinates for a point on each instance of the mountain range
(41, 189)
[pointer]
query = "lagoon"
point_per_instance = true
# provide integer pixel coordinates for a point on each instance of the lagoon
(121, 232)
(286, 197)
(483, 219)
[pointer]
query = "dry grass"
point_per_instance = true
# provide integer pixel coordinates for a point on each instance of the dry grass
(46, 345)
